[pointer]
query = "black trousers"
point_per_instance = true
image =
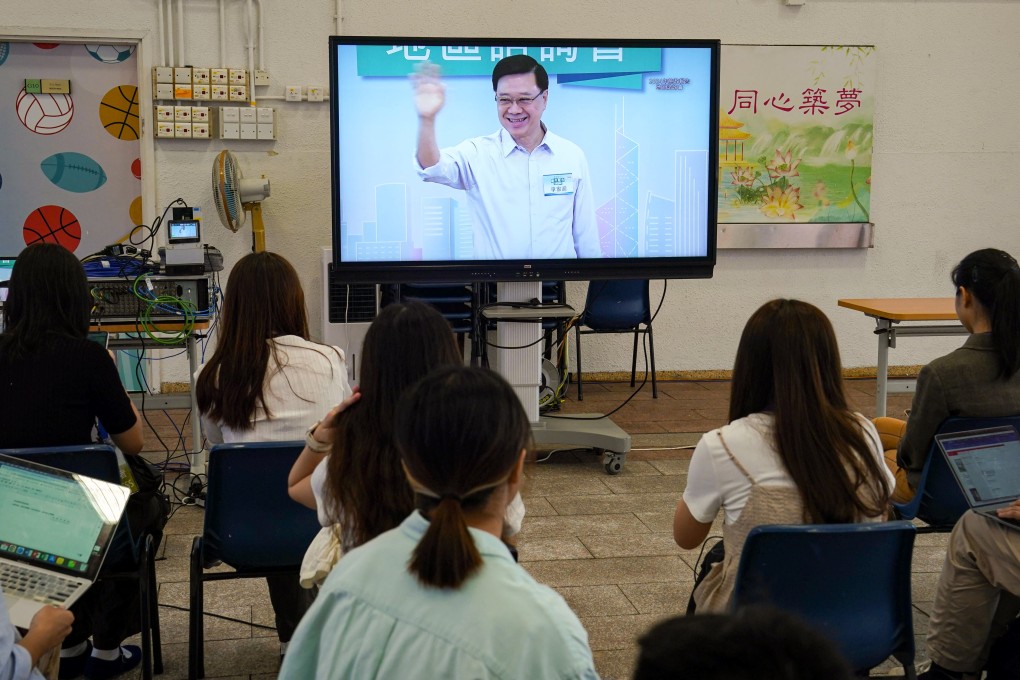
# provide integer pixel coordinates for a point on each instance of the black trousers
(109, 610)
(290, 602)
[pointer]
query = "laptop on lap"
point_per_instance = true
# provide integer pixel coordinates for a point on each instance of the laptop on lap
(986, 464)
(56, 529)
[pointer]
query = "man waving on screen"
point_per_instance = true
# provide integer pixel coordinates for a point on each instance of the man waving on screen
(529, 189)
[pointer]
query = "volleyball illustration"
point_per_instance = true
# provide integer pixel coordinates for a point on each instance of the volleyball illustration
(52, 224)
(45, 114)
(74, 172)
(5, 51)
(118, 112)
(110, 54)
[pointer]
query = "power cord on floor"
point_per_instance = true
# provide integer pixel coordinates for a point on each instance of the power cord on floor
(219, 616)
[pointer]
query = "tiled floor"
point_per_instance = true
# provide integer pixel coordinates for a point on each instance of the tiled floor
(602, 541)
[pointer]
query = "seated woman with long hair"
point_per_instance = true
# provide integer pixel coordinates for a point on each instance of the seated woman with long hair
(793, 451)
(980, 379)
(440, 596)
(267, 381)
(360, 486)
(54, 385)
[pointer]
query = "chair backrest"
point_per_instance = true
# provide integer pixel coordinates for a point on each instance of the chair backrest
(939, 501)
(91, 460)
(250, 521)
(849, 581)
(615, 305)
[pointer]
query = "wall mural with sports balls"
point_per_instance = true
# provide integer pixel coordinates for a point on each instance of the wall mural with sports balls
(69, 163)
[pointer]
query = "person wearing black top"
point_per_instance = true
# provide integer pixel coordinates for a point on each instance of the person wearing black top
(54, 384)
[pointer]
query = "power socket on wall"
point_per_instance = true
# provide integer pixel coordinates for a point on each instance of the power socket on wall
(293, 93)
(314, 93)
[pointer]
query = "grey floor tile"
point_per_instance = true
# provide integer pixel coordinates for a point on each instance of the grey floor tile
(537, 506)
(615, 664)
(534, 549)
(617, 632)
(617, 523)
(612, 503)
(657, 521)
(666, 599)
(632, 545)
(608, 571)
(597, 600)
(672, 484)
(672, 467)
(557, 485)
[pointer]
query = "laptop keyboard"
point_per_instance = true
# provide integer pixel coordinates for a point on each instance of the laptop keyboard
(36, 585)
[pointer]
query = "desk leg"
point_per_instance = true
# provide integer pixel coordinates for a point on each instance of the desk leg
(884, 332)
(197, 455)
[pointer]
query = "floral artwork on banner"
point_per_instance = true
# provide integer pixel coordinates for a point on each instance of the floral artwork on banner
(795, 133)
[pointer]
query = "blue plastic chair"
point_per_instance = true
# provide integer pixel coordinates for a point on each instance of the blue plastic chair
(619, 306)
(251, 524)
(939, 502)
(129, 557)
(850, 581)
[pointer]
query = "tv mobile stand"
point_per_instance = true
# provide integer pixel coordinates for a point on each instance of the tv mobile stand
(519, 327)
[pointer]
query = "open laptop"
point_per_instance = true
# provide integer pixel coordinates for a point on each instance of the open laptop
(56, 529)
(986, 464)
(6, 267)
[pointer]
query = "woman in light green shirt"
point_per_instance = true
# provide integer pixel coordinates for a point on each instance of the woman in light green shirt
(440, 596)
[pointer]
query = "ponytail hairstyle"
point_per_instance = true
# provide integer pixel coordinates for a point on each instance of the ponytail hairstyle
(460, 432)
(788, 364)
(48, 295)
(993, 277)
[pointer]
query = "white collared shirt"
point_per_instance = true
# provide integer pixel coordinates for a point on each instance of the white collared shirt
(523, 206)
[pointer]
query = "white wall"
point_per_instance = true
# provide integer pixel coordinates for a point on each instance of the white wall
(947, 141)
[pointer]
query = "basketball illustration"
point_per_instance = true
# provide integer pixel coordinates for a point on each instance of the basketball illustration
(45, 114)
(52, 224)
(110, 54)
(135, 211)
(118, 112)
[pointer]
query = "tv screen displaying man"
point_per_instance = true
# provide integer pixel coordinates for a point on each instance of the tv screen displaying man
(529, 189)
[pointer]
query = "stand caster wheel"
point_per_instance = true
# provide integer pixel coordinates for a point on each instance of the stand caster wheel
(613, 462)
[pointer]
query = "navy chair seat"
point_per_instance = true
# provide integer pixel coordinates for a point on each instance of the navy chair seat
(251, 524)
(617, 306)
(849, 581)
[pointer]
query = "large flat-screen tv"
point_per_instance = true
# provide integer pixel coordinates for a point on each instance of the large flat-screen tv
(459, 159)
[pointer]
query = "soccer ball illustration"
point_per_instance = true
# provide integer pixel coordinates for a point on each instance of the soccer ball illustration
(110, 54)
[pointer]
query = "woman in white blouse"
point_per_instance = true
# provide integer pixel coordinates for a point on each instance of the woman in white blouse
(793, 451)
(267, 381)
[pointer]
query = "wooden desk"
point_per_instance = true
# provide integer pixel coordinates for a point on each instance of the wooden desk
(130, 335)
(890, 311)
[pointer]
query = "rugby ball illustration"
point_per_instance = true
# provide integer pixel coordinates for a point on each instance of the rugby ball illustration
(73, 171)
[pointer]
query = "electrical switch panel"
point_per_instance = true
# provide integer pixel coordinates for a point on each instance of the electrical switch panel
(247, 122)
(184, 122)
(201, 83)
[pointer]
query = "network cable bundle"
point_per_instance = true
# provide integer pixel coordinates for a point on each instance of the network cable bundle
(151, 299)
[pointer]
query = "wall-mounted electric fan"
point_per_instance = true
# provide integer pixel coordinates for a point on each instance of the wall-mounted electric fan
(235, 196)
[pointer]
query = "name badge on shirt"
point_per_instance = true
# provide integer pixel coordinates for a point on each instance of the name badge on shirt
(561, 184)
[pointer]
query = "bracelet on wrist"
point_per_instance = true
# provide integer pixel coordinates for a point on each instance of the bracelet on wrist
(314, 444)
